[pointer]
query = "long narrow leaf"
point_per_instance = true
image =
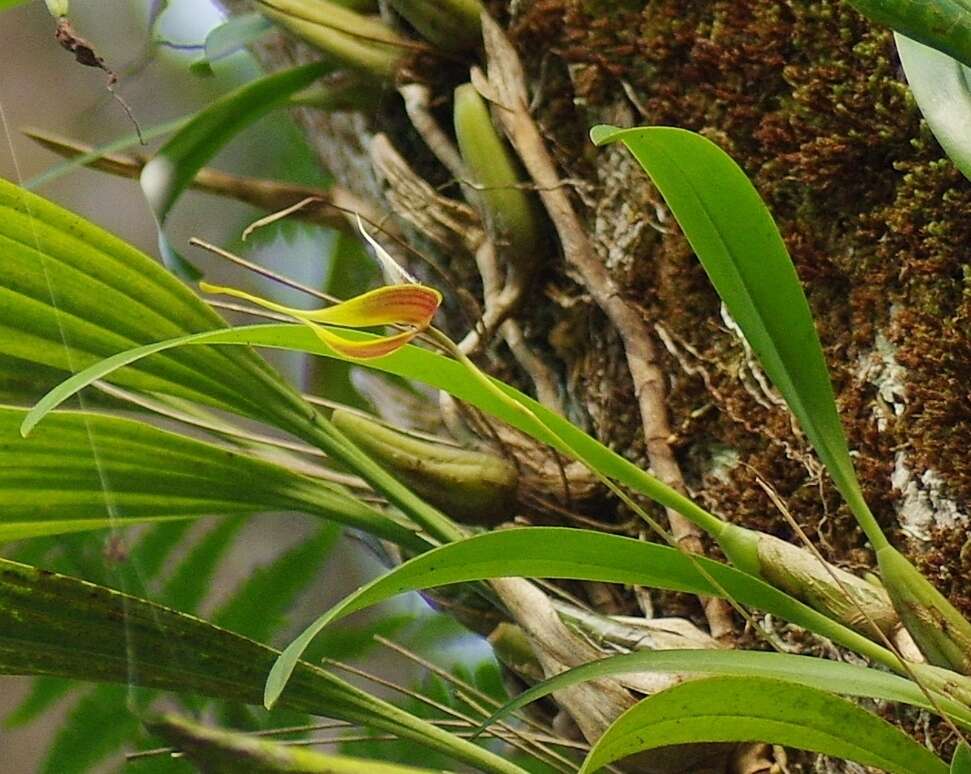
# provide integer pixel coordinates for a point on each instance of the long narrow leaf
(214, 750)
(737, 242)
(147, 558)
(739, 245)
(413, 363)
(759, 709)
(834, 676)
(84, 471)
(554, 552)
(55, 625)
(71, 294)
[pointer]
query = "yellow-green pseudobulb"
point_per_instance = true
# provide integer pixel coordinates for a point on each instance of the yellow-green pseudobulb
(468, 485)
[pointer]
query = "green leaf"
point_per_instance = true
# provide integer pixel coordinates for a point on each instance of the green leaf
(103, 713)
(739, 245)
(758, 709)
(555, 552)
(83, 471)
(961, 762)
(538, 421)
(193, 578)
(56, 625)
(422, 365)
(70, 294)
(260, 605)
(832, 676)
(8, 4)
(223, 752)
(941, 24)
(44, 693)
(170, 171)
(942, 90)
(441, 373)
(97, 726)
(147, 559)
(737, 242)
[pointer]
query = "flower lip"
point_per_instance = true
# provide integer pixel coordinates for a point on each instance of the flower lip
(411, 305)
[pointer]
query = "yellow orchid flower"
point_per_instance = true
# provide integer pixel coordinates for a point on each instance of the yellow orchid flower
(412, 305)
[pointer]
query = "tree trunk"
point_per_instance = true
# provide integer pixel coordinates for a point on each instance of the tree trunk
(809, 98)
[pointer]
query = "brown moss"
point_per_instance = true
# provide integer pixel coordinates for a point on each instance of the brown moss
(808, 98)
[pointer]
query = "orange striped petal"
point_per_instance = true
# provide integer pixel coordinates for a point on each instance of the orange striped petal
(402, 304)
(363, 350)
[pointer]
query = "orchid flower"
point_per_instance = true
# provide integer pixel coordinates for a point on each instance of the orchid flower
(404, 303)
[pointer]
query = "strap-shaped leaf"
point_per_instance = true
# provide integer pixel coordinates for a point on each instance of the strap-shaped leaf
(943, 92)
(215, 750)
(71, 294)
(84, 471)
(452, 376)
(737, 242)
(759, 709)
(55, 625)
(735, 238)
(833, 676)
(554, 552)
(413, 363)
(440, 372)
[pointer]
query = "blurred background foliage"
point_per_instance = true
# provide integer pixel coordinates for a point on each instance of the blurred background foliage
(263, 576)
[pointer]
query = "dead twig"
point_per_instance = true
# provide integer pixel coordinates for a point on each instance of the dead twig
(85, 54)
(331, 208)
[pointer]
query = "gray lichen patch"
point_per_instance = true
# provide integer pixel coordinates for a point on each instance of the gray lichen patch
(880, 368)
(923, 504)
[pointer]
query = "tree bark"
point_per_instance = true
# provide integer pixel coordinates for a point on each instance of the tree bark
(809, 98)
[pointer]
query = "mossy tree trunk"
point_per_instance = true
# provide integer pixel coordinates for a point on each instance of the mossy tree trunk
(809, 98)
